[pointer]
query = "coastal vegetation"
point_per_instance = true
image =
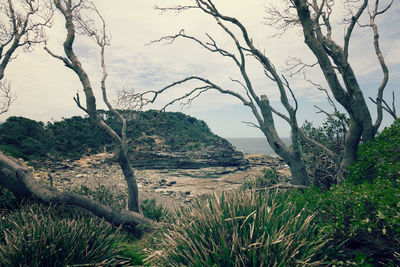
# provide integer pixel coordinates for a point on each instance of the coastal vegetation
(356, 223)
(340, 205)
(74, 137)
(351, 224)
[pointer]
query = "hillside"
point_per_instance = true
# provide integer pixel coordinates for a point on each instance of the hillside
(155, 139)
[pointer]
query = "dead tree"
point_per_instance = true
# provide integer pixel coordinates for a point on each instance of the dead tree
(313, 17)
(22, 25)
(75, 20)
(259, 104)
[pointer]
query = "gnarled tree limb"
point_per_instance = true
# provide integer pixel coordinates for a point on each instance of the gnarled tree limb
(18, 179)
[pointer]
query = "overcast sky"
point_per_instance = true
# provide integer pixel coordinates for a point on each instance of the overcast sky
(45, 87)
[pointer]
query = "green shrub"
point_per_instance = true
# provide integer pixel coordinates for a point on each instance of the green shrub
(8, 200)
(241, 229)
(13, 151)
(380, 158)
(324, 170)
(362, 220)
(106, 196)
(39, 236)
(151, 210)
(133, 253)
(267, 178)
(24, 138)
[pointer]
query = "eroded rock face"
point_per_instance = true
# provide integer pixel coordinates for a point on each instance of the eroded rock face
(221, 154)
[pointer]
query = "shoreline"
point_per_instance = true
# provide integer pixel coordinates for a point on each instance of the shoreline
(170, 187)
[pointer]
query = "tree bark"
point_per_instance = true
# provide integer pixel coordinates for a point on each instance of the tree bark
(127, 170)
(18, 179)
(291, 156)
(350, 97)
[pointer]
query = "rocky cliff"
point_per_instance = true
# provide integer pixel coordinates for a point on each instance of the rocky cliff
(219, 153)
(155, 139)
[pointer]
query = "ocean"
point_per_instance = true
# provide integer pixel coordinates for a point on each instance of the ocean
(254, 145)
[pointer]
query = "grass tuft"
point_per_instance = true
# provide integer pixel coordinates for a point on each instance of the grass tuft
(36, 235)
(243, 228)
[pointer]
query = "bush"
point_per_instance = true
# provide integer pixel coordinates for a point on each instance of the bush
(380, 158)
(8, 200)
(39, 236)
(24, 138)
(362, 220)
(267, 178)
(106, 196)
(325, 170)
(133, 253)
(153, 211)
(241, 229)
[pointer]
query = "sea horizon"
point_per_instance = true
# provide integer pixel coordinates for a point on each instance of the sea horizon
(254, 145)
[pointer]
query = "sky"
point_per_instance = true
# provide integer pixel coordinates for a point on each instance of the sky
(45, 87)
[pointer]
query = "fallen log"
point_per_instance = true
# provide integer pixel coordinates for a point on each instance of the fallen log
(16, 177)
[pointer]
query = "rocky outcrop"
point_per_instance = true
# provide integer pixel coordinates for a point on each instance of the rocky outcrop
(221, 153)
(170, 187)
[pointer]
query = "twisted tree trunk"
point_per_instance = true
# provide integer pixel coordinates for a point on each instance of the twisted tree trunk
(17, 178)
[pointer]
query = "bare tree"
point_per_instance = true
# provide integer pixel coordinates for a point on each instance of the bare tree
(314, 19)
(14, 175)
(389, 109)
(76, 21)
(6, 96)
(22, 24)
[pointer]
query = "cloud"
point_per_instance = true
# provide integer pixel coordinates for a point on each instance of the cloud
(45, 87)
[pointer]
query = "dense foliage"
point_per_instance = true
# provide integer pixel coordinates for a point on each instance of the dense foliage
(149, 130)
(176, 130)
(379, 159)
(362, 220)
(76, 136)
(363, 214)
(356, 223)
(24, 138)
(324, 170)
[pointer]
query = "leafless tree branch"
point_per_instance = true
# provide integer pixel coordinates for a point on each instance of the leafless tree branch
(23, 25)
(27, 21)
(296, 65)
(78, 103)
(6, 96)
(251, 124)
(281, 20)
(389, 109)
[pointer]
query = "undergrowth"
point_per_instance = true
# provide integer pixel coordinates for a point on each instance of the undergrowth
(242, 229)
(36, 235)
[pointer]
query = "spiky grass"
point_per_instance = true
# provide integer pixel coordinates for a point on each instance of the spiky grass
(39, 236)
(242, 229)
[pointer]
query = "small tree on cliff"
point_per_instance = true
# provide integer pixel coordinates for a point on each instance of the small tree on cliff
(314, 19)
(75, 20)
(22, 25)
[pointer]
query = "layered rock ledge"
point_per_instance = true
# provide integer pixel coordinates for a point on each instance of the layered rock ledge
(219, 154)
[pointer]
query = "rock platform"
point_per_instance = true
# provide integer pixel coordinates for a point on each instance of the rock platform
(170, 187)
